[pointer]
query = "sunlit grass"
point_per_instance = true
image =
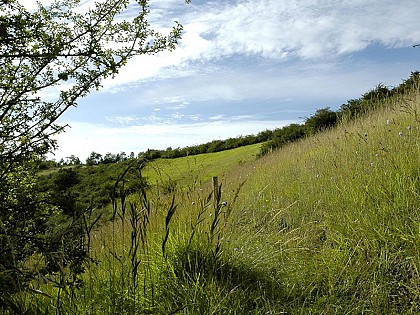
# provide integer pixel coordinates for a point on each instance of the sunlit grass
(198, 169)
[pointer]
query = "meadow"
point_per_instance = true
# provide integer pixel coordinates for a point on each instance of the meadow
(329, 224)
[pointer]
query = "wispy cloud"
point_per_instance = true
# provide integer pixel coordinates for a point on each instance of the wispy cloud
(122, 120)
(276, 30)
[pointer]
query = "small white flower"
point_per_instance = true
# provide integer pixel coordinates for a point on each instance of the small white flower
(236, 249)
(388, 121)
(409, 128)
(400, 134)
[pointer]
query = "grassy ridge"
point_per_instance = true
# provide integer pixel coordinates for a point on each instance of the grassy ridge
(327, 225)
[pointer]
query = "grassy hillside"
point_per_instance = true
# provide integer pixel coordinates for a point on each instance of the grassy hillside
(198, 169)
(327, 225)
(338, 217)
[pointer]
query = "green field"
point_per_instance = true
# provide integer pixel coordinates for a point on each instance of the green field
(199, 168)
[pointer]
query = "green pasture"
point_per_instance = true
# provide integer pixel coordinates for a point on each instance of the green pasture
(198, 169)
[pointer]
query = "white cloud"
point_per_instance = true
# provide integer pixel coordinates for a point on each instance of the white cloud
(122, 120)
(274, 29)
(217, 117)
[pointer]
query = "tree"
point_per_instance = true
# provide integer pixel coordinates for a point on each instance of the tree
(73, 160)
(282, 136)
(94, 158)
(323, 118)
(109, 158)
(54, 47)
(57, 47)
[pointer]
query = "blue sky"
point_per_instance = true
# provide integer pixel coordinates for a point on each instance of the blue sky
(243, 67)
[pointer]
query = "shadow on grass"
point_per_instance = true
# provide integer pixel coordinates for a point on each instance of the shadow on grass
(205, 284)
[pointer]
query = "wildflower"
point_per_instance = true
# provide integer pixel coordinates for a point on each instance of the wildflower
(388, 121)
(400, 134)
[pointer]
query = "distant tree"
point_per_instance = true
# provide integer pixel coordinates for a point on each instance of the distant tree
(407, 85)
(151, 154)
(122, 156)
(63, 180)
(215, 146)
(323, 118)
(109, 158)
(94, 158)
(73, 160)
(290, 133)
(282, 136)
(366, 103)
(264, 136)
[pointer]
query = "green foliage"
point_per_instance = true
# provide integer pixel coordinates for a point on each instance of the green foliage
(90, 185)
(94, 159)
(365, 104)
(282, 136)
(22, 219)
(323, 119)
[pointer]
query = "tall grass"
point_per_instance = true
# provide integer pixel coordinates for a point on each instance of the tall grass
(327, 225)
(340, 214)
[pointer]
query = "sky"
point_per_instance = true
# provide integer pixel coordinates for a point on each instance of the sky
(244, 66)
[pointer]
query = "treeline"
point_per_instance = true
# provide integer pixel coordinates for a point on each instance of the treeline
(209, 147)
